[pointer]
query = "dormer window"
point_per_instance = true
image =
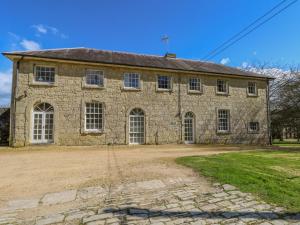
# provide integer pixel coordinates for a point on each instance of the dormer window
(44, 74)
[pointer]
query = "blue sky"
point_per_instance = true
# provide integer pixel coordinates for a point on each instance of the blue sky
(195, 27)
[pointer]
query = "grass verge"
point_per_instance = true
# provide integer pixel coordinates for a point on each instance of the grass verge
(274, 176)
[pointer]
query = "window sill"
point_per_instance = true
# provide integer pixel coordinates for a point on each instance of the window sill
(91, 132)
(163, 90)
(45, 84)
(223, 132)
(86, 86)
(131, 89)
(252, 95)
(195, 92)
(253, 132)
(222, 93)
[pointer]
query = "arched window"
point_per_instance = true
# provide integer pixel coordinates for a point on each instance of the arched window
(189, 120)
(42, 126)
(136, 112)
(43, 107)
(189, 115)
(136, 126)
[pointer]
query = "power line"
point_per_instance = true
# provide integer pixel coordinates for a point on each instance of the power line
(244, 29)
(216, 51)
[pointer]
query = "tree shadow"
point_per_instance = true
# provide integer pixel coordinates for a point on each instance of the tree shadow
(149, 213)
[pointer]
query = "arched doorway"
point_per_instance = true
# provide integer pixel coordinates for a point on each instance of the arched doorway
(42, 124)
(189, 129)
(136, 126)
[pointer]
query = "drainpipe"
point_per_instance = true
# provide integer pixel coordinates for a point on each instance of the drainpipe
(179, 106)
(268, 113)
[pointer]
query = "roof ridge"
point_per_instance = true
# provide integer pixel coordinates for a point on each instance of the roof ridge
(123, 52)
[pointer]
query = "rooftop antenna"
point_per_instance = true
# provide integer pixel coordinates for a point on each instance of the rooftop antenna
(165, 39)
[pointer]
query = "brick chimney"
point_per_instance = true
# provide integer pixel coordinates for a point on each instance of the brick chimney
(170, 55)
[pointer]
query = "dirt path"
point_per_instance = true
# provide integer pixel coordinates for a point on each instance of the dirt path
(34, 171)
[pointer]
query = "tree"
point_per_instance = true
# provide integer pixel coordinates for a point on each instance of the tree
(284, 97)
(286, 106)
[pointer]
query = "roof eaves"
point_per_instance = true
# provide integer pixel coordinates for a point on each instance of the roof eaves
(23, 54)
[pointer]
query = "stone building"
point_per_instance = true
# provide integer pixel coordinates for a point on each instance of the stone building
(84, 96)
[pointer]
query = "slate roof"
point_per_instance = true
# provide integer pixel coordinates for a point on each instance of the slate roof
(131, 59)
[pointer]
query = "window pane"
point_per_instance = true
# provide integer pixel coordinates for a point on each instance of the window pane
(136, 126)
(44, 74)
(194, 84)
(252, 88)
(223, 120)
(94, 116)
(221, 86)
(95, 77)
(132, 80)
(253, 126)
(164, 82)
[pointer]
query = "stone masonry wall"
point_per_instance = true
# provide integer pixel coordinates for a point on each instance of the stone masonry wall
(163, 110)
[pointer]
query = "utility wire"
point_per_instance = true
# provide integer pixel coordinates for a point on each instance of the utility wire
(244, 29)
(216, 51)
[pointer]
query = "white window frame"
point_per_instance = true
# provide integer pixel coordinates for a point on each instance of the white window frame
(129, 126)
(43, 113)
(164, 89)
(200, 85)
(226, 86)
(250, 130)
(44, 82)
(255, 89)
(228, 122)
(189, 116)
(85, 118)
(129, 87)
(101, 77)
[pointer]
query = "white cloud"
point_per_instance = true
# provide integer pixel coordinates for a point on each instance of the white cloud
(40, 28)
(14, 36)
(54, 30)
(225, 61)
(30, 45)
(5, 87)
(245, 65)
(45, 29)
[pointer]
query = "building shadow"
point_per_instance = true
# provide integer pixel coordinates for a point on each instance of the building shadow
(148, 213)
(4, 126)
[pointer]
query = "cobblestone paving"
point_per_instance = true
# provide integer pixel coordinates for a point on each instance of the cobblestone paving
(173, 201)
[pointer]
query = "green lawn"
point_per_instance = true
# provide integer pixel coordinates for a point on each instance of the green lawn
(274, 176)
(286, 143)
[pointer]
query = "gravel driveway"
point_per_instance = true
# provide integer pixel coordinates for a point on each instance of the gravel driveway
(34, 171)
(122, 185)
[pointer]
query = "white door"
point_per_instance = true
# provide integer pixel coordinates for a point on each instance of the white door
(189, 136)
(136, 127)
(42, 127)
